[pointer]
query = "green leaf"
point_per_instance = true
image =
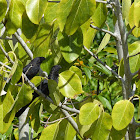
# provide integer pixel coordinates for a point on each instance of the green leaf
(134, 49)
(16, 10)
(121, 68)
(54, 91)
(110, 50)
(17, 74)
(76, 18)
(70, 46)
(35, 10)
(137, 14)
(69, 132)
(122, 114)
(87, 72)
(3, 7)
(49, 132)
(35, 116)
(29, 29)
(126, 4)
(88, 34)
(117, 135)
(136, 31)
(105, 102)
(50, 12)
(89, 113)
(42, 41)
(69, 84)
(24, 97)
(76, 70)
(100, 15)
(104, 42)
(101, 68)
(64, 5)
(6, 102)
(103, 127)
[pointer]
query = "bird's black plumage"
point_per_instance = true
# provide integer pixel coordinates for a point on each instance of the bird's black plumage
(32, 68)
(54, 75)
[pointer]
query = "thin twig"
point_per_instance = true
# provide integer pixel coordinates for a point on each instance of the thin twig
(6, 54)
(103, 30)
(59, 119)
(135, 73)
(106, 66)
(130, 32)
(6, 38)
(134, 54)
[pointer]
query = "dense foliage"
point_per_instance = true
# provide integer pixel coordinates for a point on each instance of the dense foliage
(97, 45)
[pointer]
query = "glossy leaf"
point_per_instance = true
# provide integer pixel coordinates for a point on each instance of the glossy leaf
(3, 7)
(76, 18)
(122, 114)
(103, 127)
(69, 84)
(89, 113)
(15, 15)
(6, 102)
(98, 19)
(50, 12)
(77, 71)
(70, 46)
(100, 15)
(35, 10)
(104, 42)
(63, 11)
(49, 132)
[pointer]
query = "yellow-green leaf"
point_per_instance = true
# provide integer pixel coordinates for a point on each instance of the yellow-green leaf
(122, 114)
(102, 127)
(104, 42)
(16, 10)
(70, 46)
(125, 8)
(136, 31)
(76, 17)
(69, 84)
(6, 102)
(89, 113)
(137, 14)
(49, 132)
(35, 10)
(64, 5)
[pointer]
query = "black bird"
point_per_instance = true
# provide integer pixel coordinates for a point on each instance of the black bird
(54, 75)
(32, 68)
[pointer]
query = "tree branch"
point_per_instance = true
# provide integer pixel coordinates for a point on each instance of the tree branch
(130, 32)
(103, 30)
(106, 66)
(23, 44)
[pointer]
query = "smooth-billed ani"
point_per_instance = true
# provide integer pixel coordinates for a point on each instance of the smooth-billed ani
(32, 68)
(54, 75)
